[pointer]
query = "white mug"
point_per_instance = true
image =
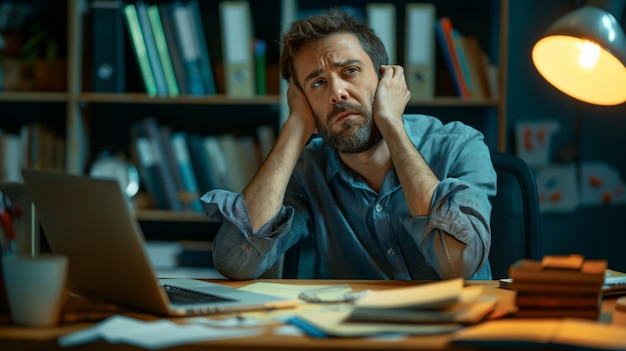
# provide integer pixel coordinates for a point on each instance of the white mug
(36, 288)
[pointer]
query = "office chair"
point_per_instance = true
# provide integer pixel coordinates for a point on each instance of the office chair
(514, 223)
(514, 214)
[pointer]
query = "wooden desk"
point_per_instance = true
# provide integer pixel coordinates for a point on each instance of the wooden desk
(26, 339)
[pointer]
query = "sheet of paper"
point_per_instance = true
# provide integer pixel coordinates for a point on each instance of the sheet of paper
(331, 322)
(431, 294)
(289, 291)
(150, 335)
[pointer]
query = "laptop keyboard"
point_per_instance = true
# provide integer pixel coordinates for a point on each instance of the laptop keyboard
(183, 296)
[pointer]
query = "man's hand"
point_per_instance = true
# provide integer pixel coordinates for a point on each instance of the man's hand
(391, 97)
(299, 108)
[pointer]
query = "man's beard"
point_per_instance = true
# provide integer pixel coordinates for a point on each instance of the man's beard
(353, 138)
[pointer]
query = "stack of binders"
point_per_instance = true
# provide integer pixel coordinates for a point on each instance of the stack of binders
(558, 287)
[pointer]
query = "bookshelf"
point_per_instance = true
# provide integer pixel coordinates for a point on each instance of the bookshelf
(90, 121)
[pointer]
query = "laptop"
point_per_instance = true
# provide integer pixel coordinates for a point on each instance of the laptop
(90, 221)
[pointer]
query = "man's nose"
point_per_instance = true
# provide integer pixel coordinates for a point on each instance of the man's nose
(338, 91)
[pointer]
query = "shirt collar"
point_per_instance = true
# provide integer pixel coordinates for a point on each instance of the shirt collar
(336, 167)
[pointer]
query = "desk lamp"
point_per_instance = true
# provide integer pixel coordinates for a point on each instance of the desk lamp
(583, 54)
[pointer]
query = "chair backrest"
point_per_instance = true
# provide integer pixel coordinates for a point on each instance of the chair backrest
(514, 215)
(514, 222)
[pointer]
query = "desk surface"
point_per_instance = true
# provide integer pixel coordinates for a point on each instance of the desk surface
(20, 338)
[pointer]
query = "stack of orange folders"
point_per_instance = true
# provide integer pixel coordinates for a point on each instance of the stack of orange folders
(558, 286)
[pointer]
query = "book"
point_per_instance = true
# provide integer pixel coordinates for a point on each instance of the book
(185, 32)
(555, 288)
(164, 172)
(162, 50)
(443, 30)
(206, 69)
(180, 149)
(553, 301)
(139, 48)
(109, 64)
(420, 50)
(10, 152)
(568, 333)
(591, 272)
(461, 57)
(237, 34)
(172, 164)
(201, 163)
(219, 164)
(260, 79)
(147, 166)
(173, 46)
(230, 149)
(477, 63)
(614, 285)
(151, 48)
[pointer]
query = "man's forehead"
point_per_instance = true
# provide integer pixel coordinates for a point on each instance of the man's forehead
(337, 48)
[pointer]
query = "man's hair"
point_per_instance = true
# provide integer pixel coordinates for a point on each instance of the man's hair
(318, 27)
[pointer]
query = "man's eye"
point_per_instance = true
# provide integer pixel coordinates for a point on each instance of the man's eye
(318, 83)
(350, 70)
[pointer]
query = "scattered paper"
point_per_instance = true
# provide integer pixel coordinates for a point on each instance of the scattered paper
(150, 335)
(229, 322)
(289, 291)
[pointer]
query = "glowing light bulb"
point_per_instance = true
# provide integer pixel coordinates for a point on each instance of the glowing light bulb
(589, 53)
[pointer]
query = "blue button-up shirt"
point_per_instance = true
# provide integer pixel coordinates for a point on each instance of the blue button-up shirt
(364, 234)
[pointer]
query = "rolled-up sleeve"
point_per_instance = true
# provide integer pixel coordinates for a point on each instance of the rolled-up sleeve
(238, 252)
(455, 238)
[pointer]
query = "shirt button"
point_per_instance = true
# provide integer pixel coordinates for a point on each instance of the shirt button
(379, 208)
(390, 252)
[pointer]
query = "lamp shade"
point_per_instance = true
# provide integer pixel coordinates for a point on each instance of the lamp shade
(583, 54)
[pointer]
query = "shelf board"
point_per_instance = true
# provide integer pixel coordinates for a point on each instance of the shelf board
(221, 99)
(142, 98)
(169, 216)
(33, 96)
(444, 101)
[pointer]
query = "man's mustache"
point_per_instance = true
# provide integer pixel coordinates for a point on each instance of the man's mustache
(343, 106)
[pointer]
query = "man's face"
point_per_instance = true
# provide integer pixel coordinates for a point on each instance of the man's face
(339, 81)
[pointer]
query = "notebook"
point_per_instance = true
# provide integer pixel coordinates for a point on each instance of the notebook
(91, 222)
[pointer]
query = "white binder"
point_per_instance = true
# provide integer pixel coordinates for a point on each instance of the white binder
(381, 17)
(420, 50)
(236, 24)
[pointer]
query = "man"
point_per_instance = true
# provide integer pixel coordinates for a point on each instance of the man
(385, 196)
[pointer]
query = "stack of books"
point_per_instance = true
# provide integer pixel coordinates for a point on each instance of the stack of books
(558, 287)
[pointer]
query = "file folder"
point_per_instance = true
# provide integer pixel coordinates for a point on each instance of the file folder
(108, 33)
(381, 17)
(236, 24)
(420, 50)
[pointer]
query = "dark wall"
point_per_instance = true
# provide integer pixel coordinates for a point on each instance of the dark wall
(596, 232)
